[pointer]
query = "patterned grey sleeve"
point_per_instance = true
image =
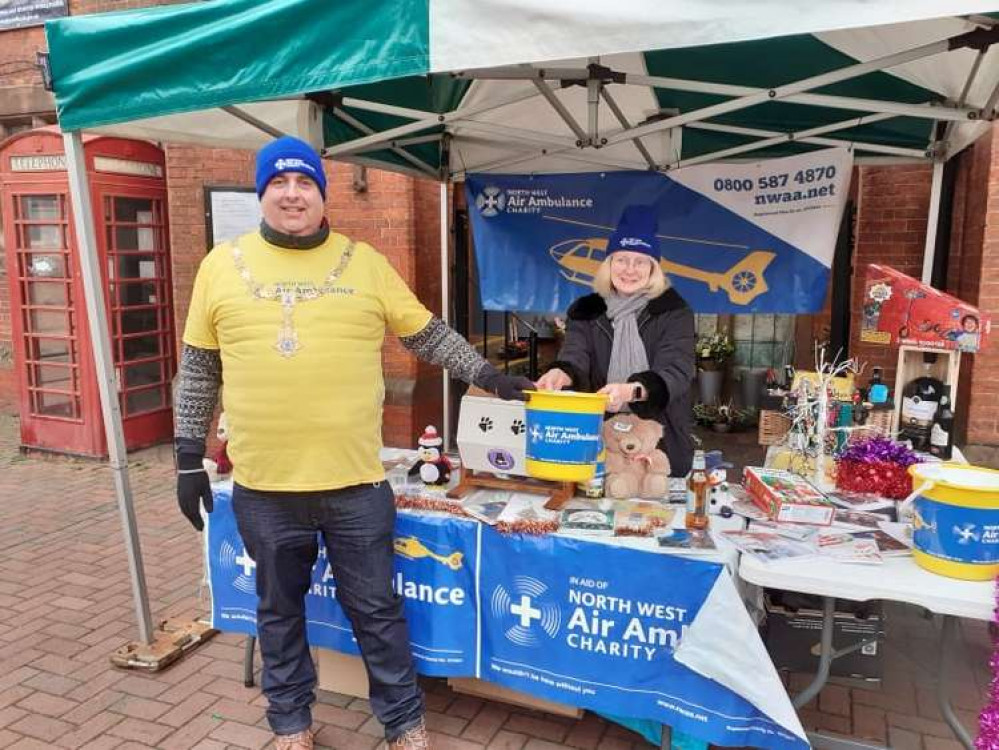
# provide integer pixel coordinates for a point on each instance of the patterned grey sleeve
(440, 344)
(196, 392)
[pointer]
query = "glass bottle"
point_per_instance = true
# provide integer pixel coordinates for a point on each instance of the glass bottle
(942, 431)
(697, 494)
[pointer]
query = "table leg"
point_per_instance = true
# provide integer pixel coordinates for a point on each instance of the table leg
(666, 738)
(251, 643)
(948, 652)
(825, 654)
(824, 741)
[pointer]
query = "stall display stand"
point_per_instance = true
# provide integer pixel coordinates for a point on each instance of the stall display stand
(171, 640)
(911, 365)
(558, 493)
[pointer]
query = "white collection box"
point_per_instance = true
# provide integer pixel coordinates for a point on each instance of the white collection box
(492, 435)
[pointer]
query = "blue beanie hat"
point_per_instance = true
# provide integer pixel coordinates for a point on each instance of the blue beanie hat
(636, 232)
(288, 154)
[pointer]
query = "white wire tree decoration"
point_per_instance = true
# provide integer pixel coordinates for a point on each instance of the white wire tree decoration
(810, 438)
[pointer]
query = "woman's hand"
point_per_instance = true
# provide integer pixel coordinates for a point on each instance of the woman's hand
(619, 395)
(554, 380)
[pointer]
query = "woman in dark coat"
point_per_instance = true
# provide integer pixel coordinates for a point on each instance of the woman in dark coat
(633, 339)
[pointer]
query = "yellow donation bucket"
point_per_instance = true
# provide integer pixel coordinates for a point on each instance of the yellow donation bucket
(563, 434)
(955, 530)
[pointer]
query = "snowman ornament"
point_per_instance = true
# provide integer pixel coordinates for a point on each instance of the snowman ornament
(718, 496)
(432, 465)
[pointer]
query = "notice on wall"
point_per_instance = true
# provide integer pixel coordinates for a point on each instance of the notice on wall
(231, 212)
(16, 14)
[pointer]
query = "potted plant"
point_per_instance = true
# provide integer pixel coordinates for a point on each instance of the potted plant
(705, 414)
(721, 417)
(713, 352)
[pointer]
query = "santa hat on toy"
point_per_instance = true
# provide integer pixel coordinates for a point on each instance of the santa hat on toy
(430, 438)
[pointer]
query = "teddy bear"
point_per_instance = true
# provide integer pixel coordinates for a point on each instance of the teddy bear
(635, 466)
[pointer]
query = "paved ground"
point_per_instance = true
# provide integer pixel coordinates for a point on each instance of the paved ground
(66, 604)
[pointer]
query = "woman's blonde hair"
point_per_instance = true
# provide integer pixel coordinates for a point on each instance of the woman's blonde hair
(602, 284)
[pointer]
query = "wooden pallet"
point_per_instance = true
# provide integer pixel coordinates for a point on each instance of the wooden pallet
(558, 493)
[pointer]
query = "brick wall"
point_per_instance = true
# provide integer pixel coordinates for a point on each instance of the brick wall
(892, 206)
(971, 190)
(395, 217)
(188, 170)
(891, 228)
(82, 7)
(980, 273)
(428, 400)
(16, 47)
(20, 46)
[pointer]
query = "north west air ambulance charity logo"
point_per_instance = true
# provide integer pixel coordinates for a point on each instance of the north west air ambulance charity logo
(491, 201)
(966, 533)
(292, 163)
(526, 612)
(237, 565)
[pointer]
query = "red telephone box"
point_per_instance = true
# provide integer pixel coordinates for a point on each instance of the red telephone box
(60, 406)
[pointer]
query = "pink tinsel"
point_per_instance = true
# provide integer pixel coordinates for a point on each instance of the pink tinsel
(988, 720)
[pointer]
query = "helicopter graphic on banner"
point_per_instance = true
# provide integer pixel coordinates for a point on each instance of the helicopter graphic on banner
(734, 238)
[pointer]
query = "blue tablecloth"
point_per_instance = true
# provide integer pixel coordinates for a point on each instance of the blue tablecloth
(583, 623)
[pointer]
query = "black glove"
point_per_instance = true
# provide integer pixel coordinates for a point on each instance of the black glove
(193, 489)
(507, 387)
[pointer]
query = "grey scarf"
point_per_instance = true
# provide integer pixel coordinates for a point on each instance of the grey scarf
(627, 352)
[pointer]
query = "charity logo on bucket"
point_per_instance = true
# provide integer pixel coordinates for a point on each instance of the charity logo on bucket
(957, 534)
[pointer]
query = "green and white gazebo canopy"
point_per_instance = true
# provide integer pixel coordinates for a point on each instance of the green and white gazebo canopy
(445, 87)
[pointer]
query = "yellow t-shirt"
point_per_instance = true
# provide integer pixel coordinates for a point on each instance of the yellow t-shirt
(311, 421)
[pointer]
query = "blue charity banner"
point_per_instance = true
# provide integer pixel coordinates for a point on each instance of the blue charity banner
(436, 560)
(596, 626)
(735, 238)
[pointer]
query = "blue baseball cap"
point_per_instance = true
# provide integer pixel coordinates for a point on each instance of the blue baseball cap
(288, 154)
(636, 232)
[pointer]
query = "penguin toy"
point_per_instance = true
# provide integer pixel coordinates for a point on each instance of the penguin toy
(433, 466)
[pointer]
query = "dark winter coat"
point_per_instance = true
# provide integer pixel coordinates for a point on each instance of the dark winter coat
(666, 326)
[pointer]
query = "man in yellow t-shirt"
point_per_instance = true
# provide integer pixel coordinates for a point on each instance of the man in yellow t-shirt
(293, 318)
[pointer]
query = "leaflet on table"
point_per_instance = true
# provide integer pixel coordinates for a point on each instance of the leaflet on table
(683, 540)
(845, 547)
(588, 521)
(856, 520)
(589, 517)
(893, 539)
(486, 505)
(747, 509)
(767, 546)
(635, 522)
(799, 532)
(862, 501)
(524, 508)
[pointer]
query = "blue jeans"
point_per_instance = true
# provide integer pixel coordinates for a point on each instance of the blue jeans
(279, 530)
